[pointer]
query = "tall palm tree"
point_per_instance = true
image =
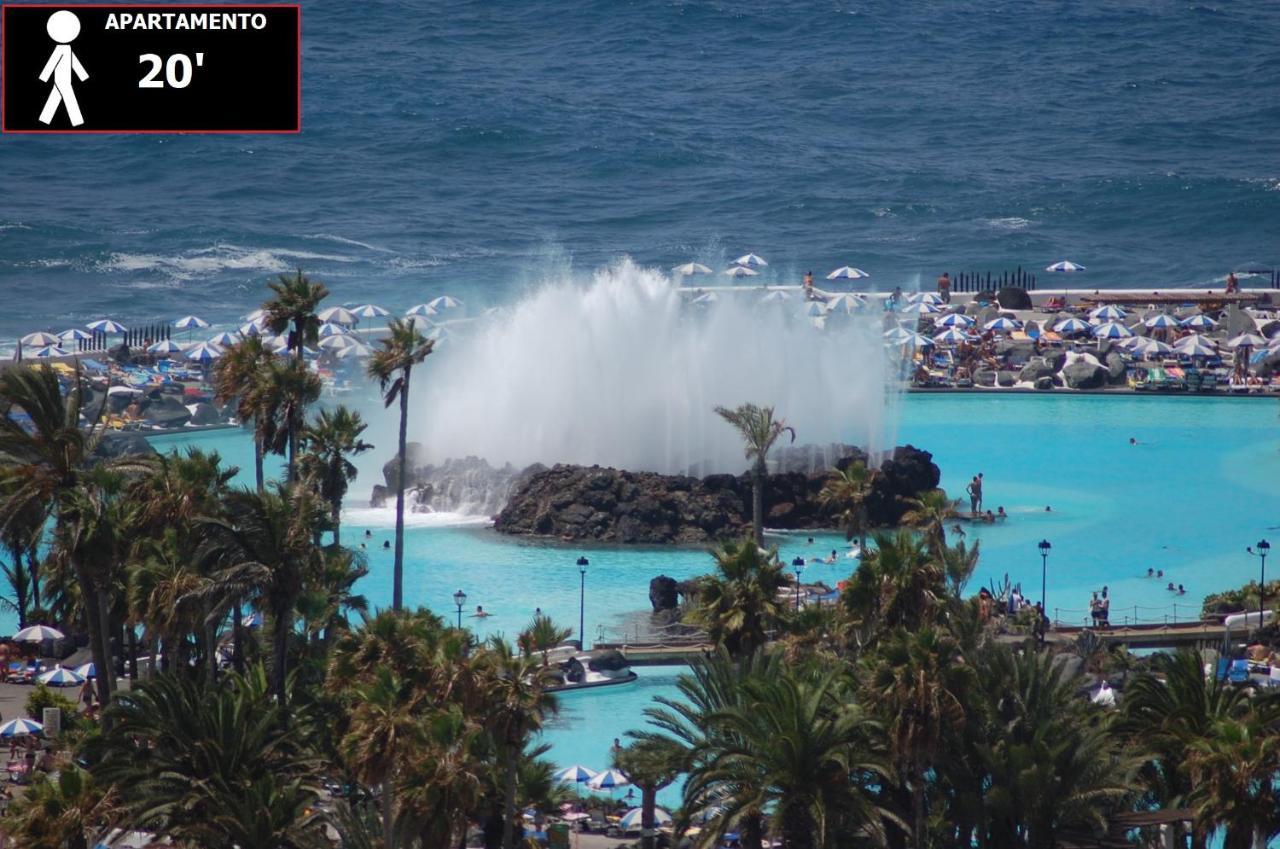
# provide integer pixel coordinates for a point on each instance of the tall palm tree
(60, 812)
(392, 366)
(328, 443)
(759, 431)
(237, 376)
(929, 511)
(845, 493)
(896, 584)
(384, 726)
(651, 763)
(1235, 769)
(739, 606)
(281, 397)
(47, 467)
(541, 635)
(293, 309)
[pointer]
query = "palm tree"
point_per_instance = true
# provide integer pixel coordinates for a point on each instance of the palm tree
(541, 635)
(739, 606)
(47, 468)
(281, 398)
(444, 778)
(896, 584)
(60, 811)
(651, 763)
(759, 431)
(1234, 769)
(384, 726)
(328, 443)
(845, 493)
(237, 376)
(929, 511)
(392, 366)
(293, 309)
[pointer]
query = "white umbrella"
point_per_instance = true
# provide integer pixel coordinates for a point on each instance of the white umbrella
(20, 728)
(776, 296)
(50, 351)
(369, 311)
(59, 677)
(955, 319)
(926, 297)
(356, 350)
(1250, 340)
(203, 352)
(739, 271)
(751, 260)
(250, 329)
(37, 634)
(898, 335)
(165, 346)
(1071, 325)
(337, 342)
(691, 268)
(951, 336)
(1066, 266)
(190, 322)
(223, 338)
(87, 670)
(706, 298)
(74, 335)
(1149, 347)
(255, 315)
(421, 309)
(574, 774)
(444, 302)
(40, 339)
(1195, 346)
(1162, 320)
(607, 780)
(632, 819)
(1199, 321)
(1107, 313)
(337, 315)
(847, 272)
(106, 325)
(331, 329)
(849, 302)
(1112, 330)
(813, 309)
(1003, 323)
(920, 308)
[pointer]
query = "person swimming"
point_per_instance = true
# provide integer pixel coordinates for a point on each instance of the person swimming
(833, 558)
(386, 543)
(1000, 514)
(1171, 587)
(1048, 509)
(480, 612)
(1151, 573)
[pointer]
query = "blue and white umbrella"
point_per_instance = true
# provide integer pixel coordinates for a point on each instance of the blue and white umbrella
(329, 328)
(1152, 347)
(37, 634)
(1162, 320)
(951, 336)
(691, 268)
(955, 319)
(608, 780)
(1107, 313)
(87, 670)
(421, 310)
(74, 335)
(847, 303)
(50, 351)
(20, 727)
(40, 339)
(1003, 323)
(250, 329)
(1195, 346)
(574, 774)
(203, 352)
(706, 298)
(1072, 325)
(1112, 330)
(356, 350)
(847, 272)
(739, 271)
(164, 346)
(259, 315)
(444, 302)
(751, 260)
(776, 296)
(1199, 321)
(190, 322)
(920, 308)
(632, 819)
(1246, 340)
(927, 297)
(335, 343)
(1065, 266)
(813, 309)
(369, 311)
(224, 338)
(106, 325)
(898, 335)
(59, 677)
(337, 315)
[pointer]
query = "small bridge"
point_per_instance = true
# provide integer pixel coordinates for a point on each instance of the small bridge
(1170, 635)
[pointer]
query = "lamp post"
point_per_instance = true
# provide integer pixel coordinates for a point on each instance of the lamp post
(1263, 547)
(459, 598)
(798, 566)
(1044, 573)
(582, 601)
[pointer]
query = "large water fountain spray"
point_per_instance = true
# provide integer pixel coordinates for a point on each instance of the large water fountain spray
(620, 370)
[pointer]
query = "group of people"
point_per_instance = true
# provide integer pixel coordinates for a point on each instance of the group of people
(1159, 573)
(1100, 609)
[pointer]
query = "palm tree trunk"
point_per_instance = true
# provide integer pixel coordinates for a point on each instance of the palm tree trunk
(388, 814)
(917, 806)
(397, 575)
(758, 474)
(509, 800)
(798, 828)
(337, 523)
(257, 459)
(293, 447)
(104, 627)
(237, 644)
(281, 651)
(97, 646)
(132, 639)
(753, 831)
(648, 800)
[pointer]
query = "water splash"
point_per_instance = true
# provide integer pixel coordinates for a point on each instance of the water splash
(621, 370)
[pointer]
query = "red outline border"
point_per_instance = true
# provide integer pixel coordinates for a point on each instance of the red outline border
(297, 7)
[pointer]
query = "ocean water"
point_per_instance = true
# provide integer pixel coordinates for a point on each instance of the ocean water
(471, 148)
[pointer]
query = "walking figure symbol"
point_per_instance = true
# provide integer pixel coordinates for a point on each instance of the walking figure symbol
(63, 27)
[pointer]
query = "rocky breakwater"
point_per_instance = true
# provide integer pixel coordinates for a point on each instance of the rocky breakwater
(613, 505)
(468, 485)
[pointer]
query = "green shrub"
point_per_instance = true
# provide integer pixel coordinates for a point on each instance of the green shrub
(42, 697)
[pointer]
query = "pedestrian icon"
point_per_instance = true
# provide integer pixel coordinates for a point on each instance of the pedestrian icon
(63, 27)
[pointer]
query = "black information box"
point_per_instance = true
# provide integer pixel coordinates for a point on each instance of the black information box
(95, 68)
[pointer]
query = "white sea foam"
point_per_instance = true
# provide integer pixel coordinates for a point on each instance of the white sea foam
(215, 259)
(1011, 223)
(619, 370)
(343, 240)
(385, 517)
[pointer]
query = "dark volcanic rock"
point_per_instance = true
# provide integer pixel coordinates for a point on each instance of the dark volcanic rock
(984, 377)
(1117, 371)
(205, 414)
(1013, 298)
(1037, 368)
(1006, 378)
(664, 593)
(165, 411)
(907, 474)
(1084, 375)
(123, 444)
(1044, 382)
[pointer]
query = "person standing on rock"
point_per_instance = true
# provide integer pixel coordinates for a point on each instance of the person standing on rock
(977, 491)
(973, 489)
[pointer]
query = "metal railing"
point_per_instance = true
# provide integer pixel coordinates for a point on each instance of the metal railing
(1186, 613)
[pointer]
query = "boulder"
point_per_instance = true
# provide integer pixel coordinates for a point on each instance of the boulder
(205, 414)
(123, 444)
(1006, 378)
(664, 593)
(1084, 375)
(1014, 298)
(1036, 369)
(165, 411)
(1056, 359)
(1117, 370)
(611, 660)
(1044, 382)
(379, 496)
(984, 377)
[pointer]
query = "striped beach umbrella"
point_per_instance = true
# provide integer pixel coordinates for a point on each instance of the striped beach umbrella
(813, 309)
(955, 319)
(849, 302)
(421, 310)
(777, 296)
(369, 311)
(920, 308)
(1162, 320)
(49, 351)
(87, 670)
(203, 352)
(751, 260)
(329, 328)
(1112, 330)
(190, 322)
(691, 268)
(1195, 346)
(337, 315)
(574, 774)
(223, 339)
(927, 297)
(164, 346)
(1152, 347)
(250, 329)
(444, 302)
(40, 339)
(20, 727)
(951, 336)
(847, 272)
(356, 350)
(1199, 321)
(898, 335)
(1003, 324)
(739, 271)
(608, 780)
(74, 335)
(256, 315)
(59, 677)
(106, 325)
(1072, 325)
(37, 634)
(632, 819)
(1246, 340)
(1109, 312)
(1066, 266)
(338, 342)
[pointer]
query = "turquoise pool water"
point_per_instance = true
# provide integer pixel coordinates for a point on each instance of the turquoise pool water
(1198, 487)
